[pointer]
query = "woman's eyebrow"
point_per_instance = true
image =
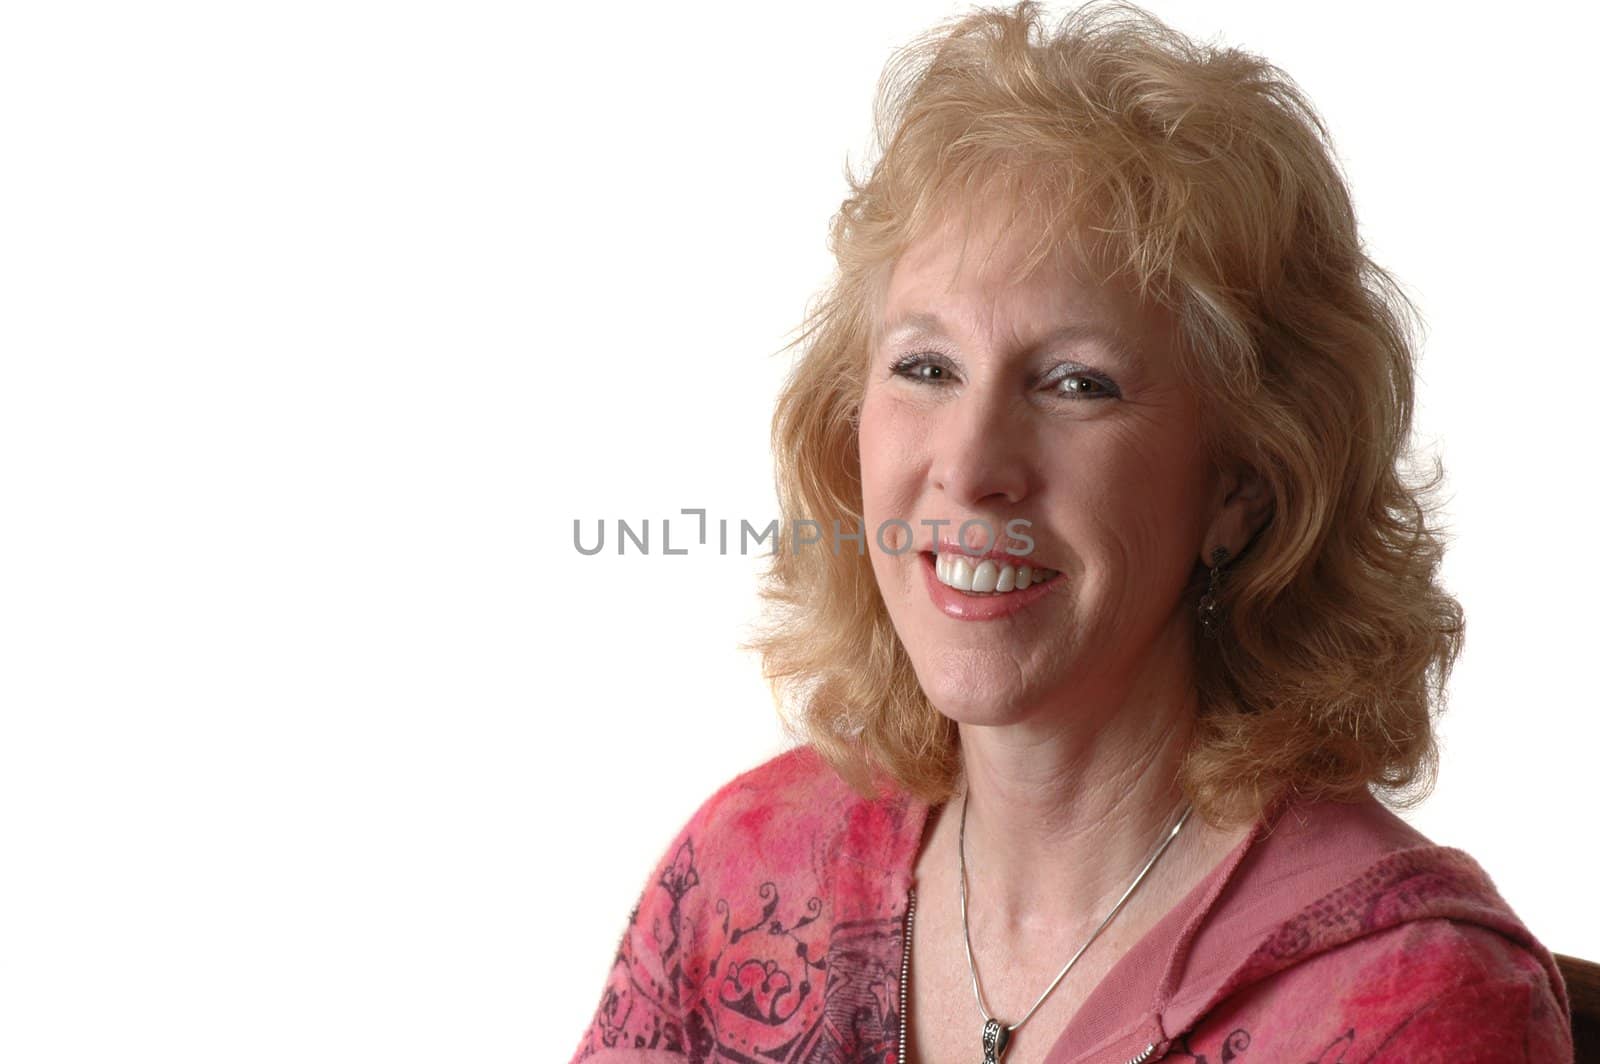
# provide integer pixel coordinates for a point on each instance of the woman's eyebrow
(920, 324)
(916, 324)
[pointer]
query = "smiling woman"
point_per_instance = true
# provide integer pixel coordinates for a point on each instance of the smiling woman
(1083, 428)
(1115, 782)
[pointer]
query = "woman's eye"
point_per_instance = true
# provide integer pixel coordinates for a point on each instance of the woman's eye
(1083, 386)
(921, 368)
(1077, 384)
(931, 368)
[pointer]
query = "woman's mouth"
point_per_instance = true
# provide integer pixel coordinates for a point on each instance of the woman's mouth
(986, 576)
(970, 589)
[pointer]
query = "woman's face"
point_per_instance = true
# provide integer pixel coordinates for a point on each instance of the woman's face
(1055, 401)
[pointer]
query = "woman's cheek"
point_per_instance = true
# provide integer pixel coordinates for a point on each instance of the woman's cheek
(882, 443)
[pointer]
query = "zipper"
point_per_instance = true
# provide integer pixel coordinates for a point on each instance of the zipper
(905, 971)
(905, 985)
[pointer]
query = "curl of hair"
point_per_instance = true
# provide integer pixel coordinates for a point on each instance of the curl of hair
(1202, 175)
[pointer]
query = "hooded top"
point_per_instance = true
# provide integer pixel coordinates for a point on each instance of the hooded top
(774, 929)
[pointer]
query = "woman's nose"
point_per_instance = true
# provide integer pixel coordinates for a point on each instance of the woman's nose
(980, 450)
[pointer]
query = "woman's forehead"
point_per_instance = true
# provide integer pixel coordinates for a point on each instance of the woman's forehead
(1000, 237)
(991, 266)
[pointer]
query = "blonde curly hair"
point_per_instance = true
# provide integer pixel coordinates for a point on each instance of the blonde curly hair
(1202, 175)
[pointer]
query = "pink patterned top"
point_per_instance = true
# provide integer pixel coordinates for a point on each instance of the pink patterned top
(774, 930)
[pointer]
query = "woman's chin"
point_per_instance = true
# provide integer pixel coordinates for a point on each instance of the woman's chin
(990, 707)
(979, 686)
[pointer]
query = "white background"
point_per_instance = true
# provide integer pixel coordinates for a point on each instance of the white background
(321, 322)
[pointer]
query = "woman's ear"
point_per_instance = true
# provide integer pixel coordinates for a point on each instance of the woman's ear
(1243, 505)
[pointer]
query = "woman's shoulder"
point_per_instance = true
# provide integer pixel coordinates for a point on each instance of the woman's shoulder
(1377, 943)
(777, 813)
(792, 824)
(775, 888)
(1425, 988)
(797, 778)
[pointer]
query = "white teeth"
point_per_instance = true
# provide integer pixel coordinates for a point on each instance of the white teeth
(988, 576)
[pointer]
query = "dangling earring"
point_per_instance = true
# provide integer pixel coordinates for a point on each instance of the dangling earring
(1208, 601)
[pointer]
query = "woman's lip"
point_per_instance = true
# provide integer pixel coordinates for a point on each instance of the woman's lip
(969, 607)
(994, 554)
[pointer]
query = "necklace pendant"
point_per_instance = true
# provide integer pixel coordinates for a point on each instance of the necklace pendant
(996, 1036)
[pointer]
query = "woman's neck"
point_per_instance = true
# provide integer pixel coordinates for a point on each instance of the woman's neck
(1063, 813)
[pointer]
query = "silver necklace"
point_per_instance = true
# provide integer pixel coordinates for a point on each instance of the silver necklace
(997, 1035)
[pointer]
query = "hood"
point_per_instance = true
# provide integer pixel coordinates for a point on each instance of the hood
(1310, 878)
(1378, 871)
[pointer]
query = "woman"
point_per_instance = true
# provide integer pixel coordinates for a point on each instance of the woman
(1127, 615)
